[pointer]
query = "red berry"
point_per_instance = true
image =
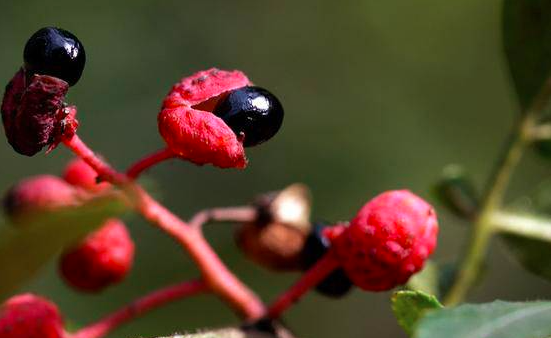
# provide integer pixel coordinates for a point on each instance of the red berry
(30, 316)
(103, 258)
(189, 127)
(39, 194)
(388, 241)
(80, 174)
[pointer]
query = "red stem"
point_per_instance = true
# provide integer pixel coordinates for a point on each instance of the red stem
(327, 264)
(148, 161)
(219, 279)
(139, 307)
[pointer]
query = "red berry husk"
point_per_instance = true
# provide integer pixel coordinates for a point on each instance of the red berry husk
(189, 127)
(30, 316)
(39, 194)
(80, 174)
(388, 241)
(33, 114)
(103, 258)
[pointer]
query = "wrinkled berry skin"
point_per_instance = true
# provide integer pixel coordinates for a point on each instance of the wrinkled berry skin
(34, 115)
(189, 127)
(104, 258)
(55, 52)
(80, 174)
(252, 112)
(39, 194)
(30, 316)
(337, 284)
(388, 241)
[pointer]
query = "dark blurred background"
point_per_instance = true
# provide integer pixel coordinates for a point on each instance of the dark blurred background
(378, 95)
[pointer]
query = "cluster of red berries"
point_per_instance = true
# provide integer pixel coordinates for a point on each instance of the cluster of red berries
(207, 118)
(102, 258)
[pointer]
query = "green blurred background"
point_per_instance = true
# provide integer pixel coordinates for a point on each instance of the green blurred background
(378, 95)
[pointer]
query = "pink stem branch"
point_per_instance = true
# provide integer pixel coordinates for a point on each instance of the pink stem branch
(327, 264)
(230, 214)
(140, 307)
(148, 161)
(215, 273)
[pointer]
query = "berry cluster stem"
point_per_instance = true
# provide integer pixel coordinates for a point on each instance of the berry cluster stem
(214, 272)
(141, 306)
(323, 267)
(484, 225)
(148, 161)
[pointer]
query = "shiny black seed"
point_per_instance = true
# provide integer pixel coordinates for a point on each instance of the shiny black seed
(55, 52)
(337, 284)
(251, 112)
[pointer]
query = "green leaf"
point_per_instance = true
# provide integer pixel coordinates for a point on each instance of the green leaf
(410, 306)
(493, 320)
(534, 255)
(527, 44)
(25, 248)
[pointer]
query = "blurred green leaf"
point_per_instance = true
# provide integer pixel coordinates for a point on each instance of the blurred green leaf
(527, 44)
(456, 191)
(410, 306)
(25, 248)
(534, 255)
(492, 320)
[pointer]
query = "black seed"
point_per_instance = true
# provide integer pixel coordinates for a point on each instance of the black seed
(337, 284)
(55, 52)
(252, 112)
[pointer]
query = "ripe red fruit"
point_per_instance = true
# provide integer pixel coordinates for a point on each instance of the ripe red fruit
(39, 194)
(80, 174)
(30, 316)
(103, 258)
(388, 241)
(189, 127)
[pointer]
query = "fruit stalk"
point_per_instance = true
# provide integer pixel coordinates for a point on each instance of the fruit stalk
(139, 307)
(148, 161)
(327, 264)
(220, 280)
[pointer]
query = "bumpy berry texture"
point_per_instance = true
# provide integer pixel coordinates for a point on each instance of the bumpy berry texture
(33, 114)
(55, 52)
(251, 112)
(337, 284)
(39, 194)
(30, 316)
(104, 258)
(388, 241)
(80, 174)
(189, 127)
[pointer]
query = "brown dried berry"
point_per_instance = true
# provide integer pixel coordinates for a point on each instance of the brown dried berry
(276, 239)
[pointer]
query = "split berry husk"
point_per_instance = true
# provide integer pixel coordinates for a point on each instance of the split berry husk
(55, 52)
(103, 258)
(388, 241)
(336, 284)
(30, 316)
(252, 112)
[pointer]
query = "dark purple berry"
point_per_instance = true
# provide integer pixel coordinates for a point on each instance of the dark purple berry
(252, 112)
(337, 283)
(55, 52)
